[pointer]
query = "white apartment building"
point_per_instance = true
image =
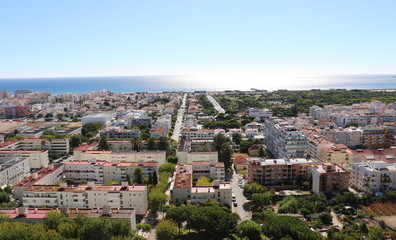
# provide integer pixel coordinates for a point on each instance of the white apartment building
(88, 196)
(102, 171)
(37, 159)
(197, 134)
(196, 151)
(116, 157)
(283, 140)
(103, 118)
(212, 170)
(164, 122)
(46, 176)
(14, 170)
(58, 146)
(262, 113)
(318, 113)
(350, 137)
(119, 132)
(374, 176)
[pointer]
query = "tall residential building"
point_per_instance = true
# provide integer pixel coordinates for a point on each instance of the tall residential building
(4, 94)
(328, 177)
(378, 136)
(277, 172)
(14, 170)
(372, 177)
(284, 140)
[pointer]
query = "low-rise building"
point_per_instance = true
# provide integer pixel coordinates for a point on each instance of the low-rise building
(37, 158)
(200, 134)
(14, 170)
(262, 113)
(46, 176)
(337, 153)
(373, 177)
(119, 132)
(58, 146)
(103, 118)
(329, 178)
(88, 196)
(182, 187)
(197, 150)
(82, 153)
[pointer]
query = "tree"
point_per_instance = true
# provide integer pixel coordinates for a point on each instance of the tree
(326, 218)
(151, 144)
(90, 129)
(156, 200)
(53, 219)
(167, 167)
(237, 138)
(155, 178)
(225, 155)
(4, 197)
(150, 178)
(97, 228)
(286, 227)
(216, 222)
(103, 144)
(111, 182)
(260, 201)
(128, 179)
(138, 175)
(249, 229)
(250, 189)
(204, 181)
(166, 230)
(178, 214)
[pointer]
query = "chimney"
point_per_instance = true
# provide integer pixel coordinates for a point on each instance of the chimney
(216, 183)
(93, 160)
(106, 211)
(35, 175)
(63, 185)
(124, 184)
(91, 184)
(23, 211)
(51, 166)
(65, 210)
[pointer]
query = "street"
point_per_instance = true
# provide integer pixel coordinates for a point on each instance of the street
(242, 209)
(179, 120)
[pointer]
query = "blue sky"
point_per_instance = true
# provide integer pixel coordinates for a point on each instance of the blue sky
(185, 37)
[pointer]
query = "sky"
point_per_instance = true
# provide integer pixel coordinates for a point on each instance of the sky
(216, 39)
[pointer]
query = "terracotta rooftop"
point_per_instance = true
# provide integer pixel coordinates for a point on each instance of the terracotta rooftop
(31, 180)
(82, 188)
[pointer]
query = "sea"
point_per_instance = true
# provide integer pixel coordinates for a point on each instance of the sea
(59, 85)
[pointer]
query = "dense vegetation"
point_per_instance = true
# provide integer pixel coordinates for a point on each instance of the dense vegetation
(208, 218)
(207, 106)
(57, 226)
(290, 103)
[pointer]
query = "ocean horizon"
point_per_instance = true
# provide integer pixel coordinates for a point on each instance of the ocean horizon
(58, 85)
